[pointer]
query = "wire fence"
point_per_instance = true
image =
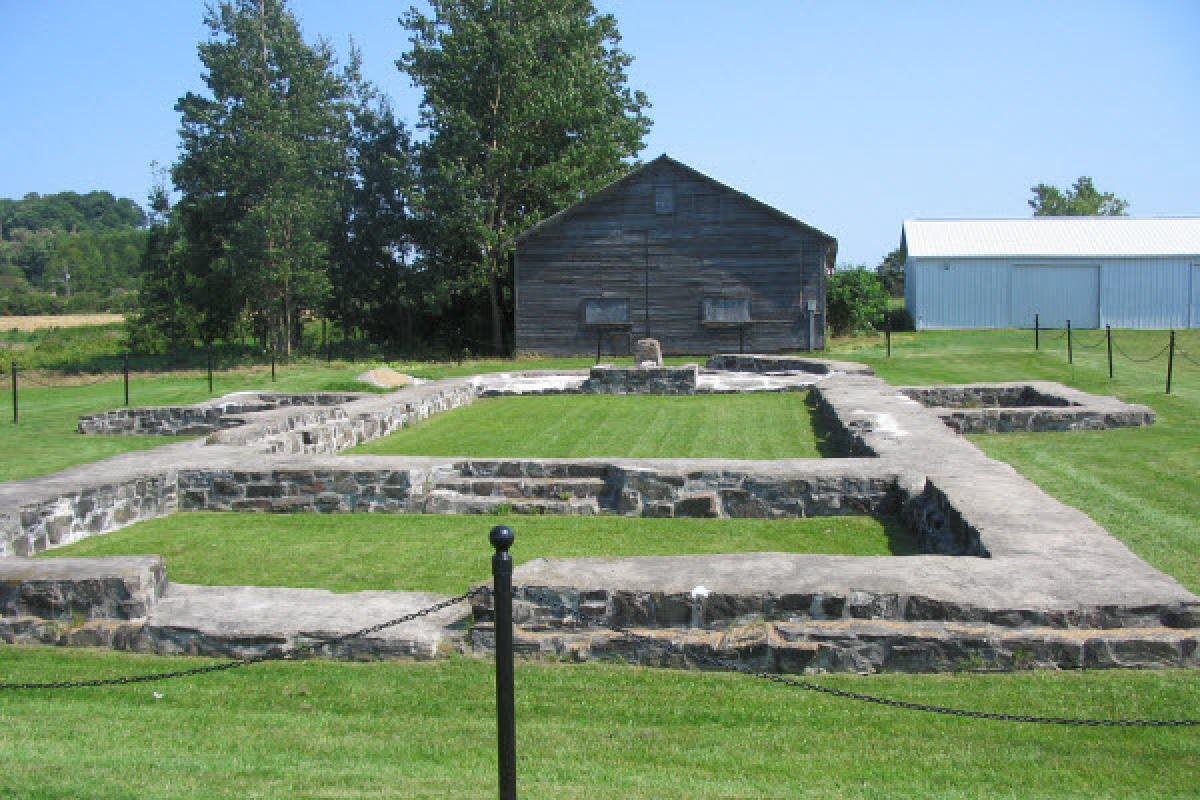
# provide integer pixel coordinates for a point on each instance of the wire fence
(1175, 350)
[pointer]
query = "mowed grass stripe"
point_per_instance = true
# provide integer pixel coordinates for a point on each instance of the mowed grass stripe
(427, 730)
(355, 552)
(747, 426)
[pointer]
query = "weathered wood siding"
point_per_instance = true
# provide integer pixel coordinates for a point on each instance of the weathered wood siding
(716, 243)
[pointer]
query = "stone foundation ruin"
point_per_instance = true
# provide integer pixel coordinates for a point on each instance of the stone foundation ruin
(1010, 578)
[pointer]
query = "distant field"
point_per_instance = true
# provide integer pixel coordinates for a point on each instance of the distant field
(58, 321)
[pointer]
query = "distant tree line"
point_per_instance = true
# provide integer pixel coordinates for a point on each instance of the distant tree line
(300, 195)
(69, 252)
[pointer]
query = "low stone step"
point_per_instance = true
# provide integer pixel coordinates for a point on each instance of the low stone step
(242, 621)
(69, 589)
(722, 589)
(863, 646)
(547, 488)
(445, 501)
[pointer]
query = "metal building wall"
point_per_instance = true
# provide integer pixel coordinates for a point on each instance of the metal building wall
(963, 293)
(947, 293)
(1146, 293)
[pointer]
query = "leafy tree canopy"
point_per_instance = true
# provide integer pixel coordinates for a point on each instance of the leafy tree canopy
(891, 272)
(264, 158)
(70, 212)
(526, 105)
(1082, 199)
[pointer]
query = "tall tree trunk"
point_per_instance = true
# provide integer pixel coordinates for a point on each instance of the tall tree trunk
(497, 311)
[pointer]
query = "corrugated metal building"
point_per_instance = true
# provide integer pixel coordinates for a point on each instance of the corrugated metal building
(1094, 271)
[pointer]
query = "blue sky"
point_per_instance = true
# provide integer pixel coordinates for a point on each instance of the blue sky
(849, 115)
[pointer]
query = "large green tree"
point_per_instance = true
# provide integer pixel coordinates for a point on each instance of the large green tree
(264, 158)
(526, 107)
(1082, 199)
(371, 280)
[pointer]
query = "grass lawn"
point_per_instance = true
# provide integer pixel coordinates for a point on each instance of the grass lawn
(319, 729)
(45, 440)
(751, 426)
(425, 730)
(434, 553)
(1141, 484)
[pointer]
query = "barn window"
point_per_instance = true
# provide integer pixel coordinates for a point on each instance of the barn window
(606, 311)
(726, 310)
(664, 200)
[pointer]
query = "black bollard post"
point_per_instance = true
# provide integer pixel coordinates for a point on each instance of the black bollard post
(1070, 349)
(1170, 364)
(598, 336)
(1037, 332)
(210, 365)
(272, 365)
(741, 339)
(324, 323)
(16, 415)
(502, 538)
(125, 371)
(887, 335)
(1108, 338)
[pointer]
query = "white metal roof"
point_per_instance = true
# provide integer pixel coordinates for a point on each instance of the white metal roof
(1053, 236)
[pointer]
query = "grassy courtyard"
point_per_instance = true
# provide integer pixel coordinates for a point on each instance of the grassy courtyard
(447, 553)
(749, 426)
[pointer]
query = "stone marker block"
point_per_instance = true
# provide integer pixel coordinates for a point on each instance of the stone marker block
(648, 351)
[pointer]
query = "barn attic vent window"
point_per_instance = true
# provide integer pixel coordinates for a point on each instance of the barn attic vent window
(664, 200)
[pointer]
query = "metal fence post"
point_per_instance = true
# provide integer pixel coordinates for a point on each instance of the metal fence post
(1108, 338)
(125, 371)
(1170, 364)
(887, 335)
(1070, 349)
(272, 365)
(1037, 332)
(210, 367)
(16, 415)
(502, 538)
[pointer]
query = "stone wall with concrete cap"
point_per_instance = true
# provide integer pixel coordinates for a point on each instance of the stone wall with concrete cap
(67, 589)
(318, 431)
(738, 362)
(1027, 407)
(203, 418)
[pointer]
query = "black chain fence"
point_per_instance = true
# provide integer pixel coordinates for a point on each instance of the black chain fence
(691, 655)
(276, 655)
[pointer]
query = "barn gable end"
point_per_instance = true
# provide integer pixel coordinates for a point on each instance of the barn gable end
(671, 253)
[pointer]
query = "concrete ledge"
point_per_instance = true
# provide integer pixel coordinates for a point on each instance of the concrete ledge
(737, 362)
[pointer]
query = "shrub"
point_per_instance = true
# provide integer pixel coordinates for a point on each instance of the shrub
(901, 319)
(856, 301)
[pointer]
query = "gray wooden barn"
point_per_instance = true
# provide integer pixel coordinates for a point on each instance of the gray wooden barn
(670, 253)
